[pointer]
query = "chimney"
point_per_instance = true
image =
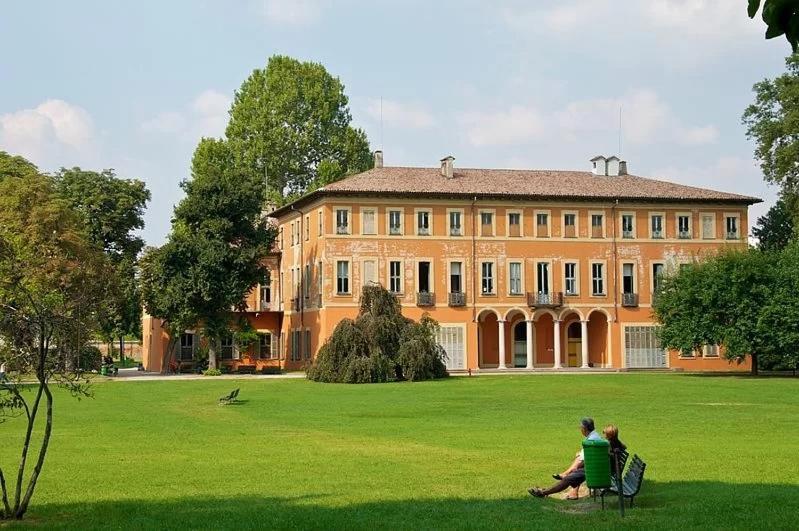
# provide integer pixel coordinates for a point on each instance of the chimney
(447, 166)
(623, 167)
(378, 159)
(599, 165)
(612, 166)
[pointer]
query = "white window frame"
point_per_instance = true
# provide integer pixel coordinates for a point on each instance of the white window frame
(349, 219)
(347, 293)
(576, 264)
(401, 276)
(651, 273)
(362, 212)
(710, 348)
(634, 265)
(633, 229)
(463, 275)
(712, 215)
(493, 277)
(449, 222)
(576, 215)
(493, 213)
(550, 278)
(401, 211)
(737, 216)
(677, 216)
(363, 261)
(432, 274)
(549, 223)
(520, 262)
(520, 212)
(604, 277)
(416, 212)
(591, 214)
(662, 236)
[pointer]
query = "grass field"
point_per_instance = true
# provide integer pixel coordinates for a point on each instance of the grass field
(459, 453)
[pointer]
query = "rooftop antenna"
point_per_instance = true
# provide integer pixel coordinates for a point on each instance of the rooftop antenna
(620, 107)
(381, 124)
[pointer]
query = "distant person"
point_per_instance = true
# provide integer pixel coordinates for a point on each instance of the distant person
(611, 433)
(3, 377)
(573, 476)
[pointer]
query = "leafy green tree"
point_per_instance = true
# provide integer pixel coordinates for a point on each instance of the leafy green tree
(290, 124)
(214, 254)
(113, 210)
(51, 293)
(781, 18)
(772, 121)
(380, 345)
(15, 166)
(775, 230)
(719, 301)
(779, 319)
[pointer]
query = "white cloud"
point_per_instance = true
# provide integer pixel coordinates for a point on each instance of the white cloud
(646, 119)
(405, 115)
(292, 12)
(714, 19)
(516, 125)
(53, 126)
(206, 115)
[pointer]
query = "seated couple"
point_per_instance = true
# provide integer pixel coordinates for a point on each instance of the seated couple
(574, 476)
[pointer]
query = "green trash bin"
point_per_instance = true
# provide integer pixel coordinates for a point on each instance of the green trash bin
(597, 463)
(104, 370)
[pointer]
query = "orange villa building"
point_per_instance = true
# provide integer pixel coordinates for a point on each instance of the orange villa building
(523, 269)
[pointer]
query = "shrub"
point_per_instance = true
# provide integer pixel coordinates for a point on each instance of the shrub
(212, 372)
(420, 355)
(90, 358)
(271, 369)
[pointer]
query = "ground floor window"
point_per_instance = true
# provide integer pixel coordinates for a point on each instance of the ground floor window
(452, 341)
(296, 345)
(227, 349)
(642, 347)
(267, 346)
(186, 352)
(306, 346)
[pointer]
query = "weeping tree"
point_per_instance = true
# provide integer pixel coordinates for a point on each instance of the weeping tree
(380, 345)
(51, 293)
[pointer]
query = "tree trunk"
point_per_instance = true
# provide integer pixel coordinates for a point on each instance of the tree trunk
(121, 351)
(23, 459)
(4, 491)
(48, 430)
(211, 353)
(754, 364)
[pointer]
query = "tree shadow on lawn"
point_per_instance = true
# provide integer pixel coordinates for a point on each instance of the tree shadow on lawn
(661, 505)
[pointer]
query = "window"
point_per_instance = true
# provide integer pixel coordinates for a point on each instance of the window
(569, 225)
(306, 346)
(514, 224)
(731, 223)
(292, 233)
(186, 347)
(451, 339)
(487, 287)
(642, 348)
(226, 350)
(486, 223)
(306, 281)
(395, 276)
(570, 274)
(597, 279)
(369, 273)
(319, 283)
(319, 220)
(627, 226)
(264, 346)
(710, 351)
(368, 224)
(684, 227)
(628, 278)
(656, 224)
(266, 288)
(542, 225)
(597, 226)
(657, 276)
(424, 277)
(455, 277)
(342, 221)
(423, 223)
(708, 226)
(515, 278)
(542, 277)
(307, 228)
(455, 228)
(395, 222)
(296, 338)
(342, 277)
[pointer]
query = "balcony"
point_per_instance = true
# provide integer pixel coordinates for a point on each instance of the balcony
(657, 234)
(733, 236)
(264, 305)
(627, 234)
(457, 299)
(685, 235)
(342, 229)
(545, 300)
(455, 231)
(395, 231)
(423, 231)
(629, 300)
(425, 299)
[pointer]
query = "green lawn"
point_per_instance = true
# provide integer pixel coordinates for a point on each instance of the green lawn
(458, 453)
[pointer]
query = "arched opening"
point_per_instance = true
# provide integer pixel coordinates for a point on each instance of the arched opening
(598, 355)
(574, 338)
(520, 344)
(488, 340)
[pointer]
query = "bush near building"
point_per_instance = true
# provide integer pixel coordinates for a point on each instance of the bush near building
(380, 345)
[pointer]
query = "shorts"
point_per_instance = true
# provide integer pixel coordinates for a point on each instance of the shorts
(576, 478)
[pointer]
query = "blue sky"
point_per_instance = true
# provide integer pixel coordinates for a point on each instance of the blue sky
(503, 84)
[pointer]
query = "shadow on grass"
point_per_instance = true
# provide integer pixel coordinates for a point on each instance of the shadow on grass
(660, 505)
(762, 375)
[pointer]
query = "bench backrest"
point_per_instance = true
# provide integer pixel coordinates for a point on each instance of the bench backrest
(634, 476)
(623, 456)
(234, 394)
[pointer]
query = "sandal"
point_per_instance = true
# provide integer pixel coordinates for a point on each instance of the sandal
(536, 492)
(572, 497)
(557, 476)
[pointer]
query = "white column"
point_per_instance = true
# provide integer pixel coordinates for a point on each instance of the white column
(530, 344)
(608, 357)
(584, 342)
(557, 344)
(501, 326)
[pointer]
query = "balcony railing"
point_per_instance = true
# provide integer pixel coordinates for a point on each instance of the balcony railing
(685, 235)
(627, 234)
(629, 300)
(423, 231)
(395, 231)
(657, 234)
(424, 299)
(455, 231)
(342, 229)
(457, 299)
(732, 235)
(545, 300)
(264, 305)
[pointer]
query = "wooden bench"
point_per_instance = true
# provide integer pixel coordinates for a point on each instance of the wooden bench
(630, 484)
(229, 399)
